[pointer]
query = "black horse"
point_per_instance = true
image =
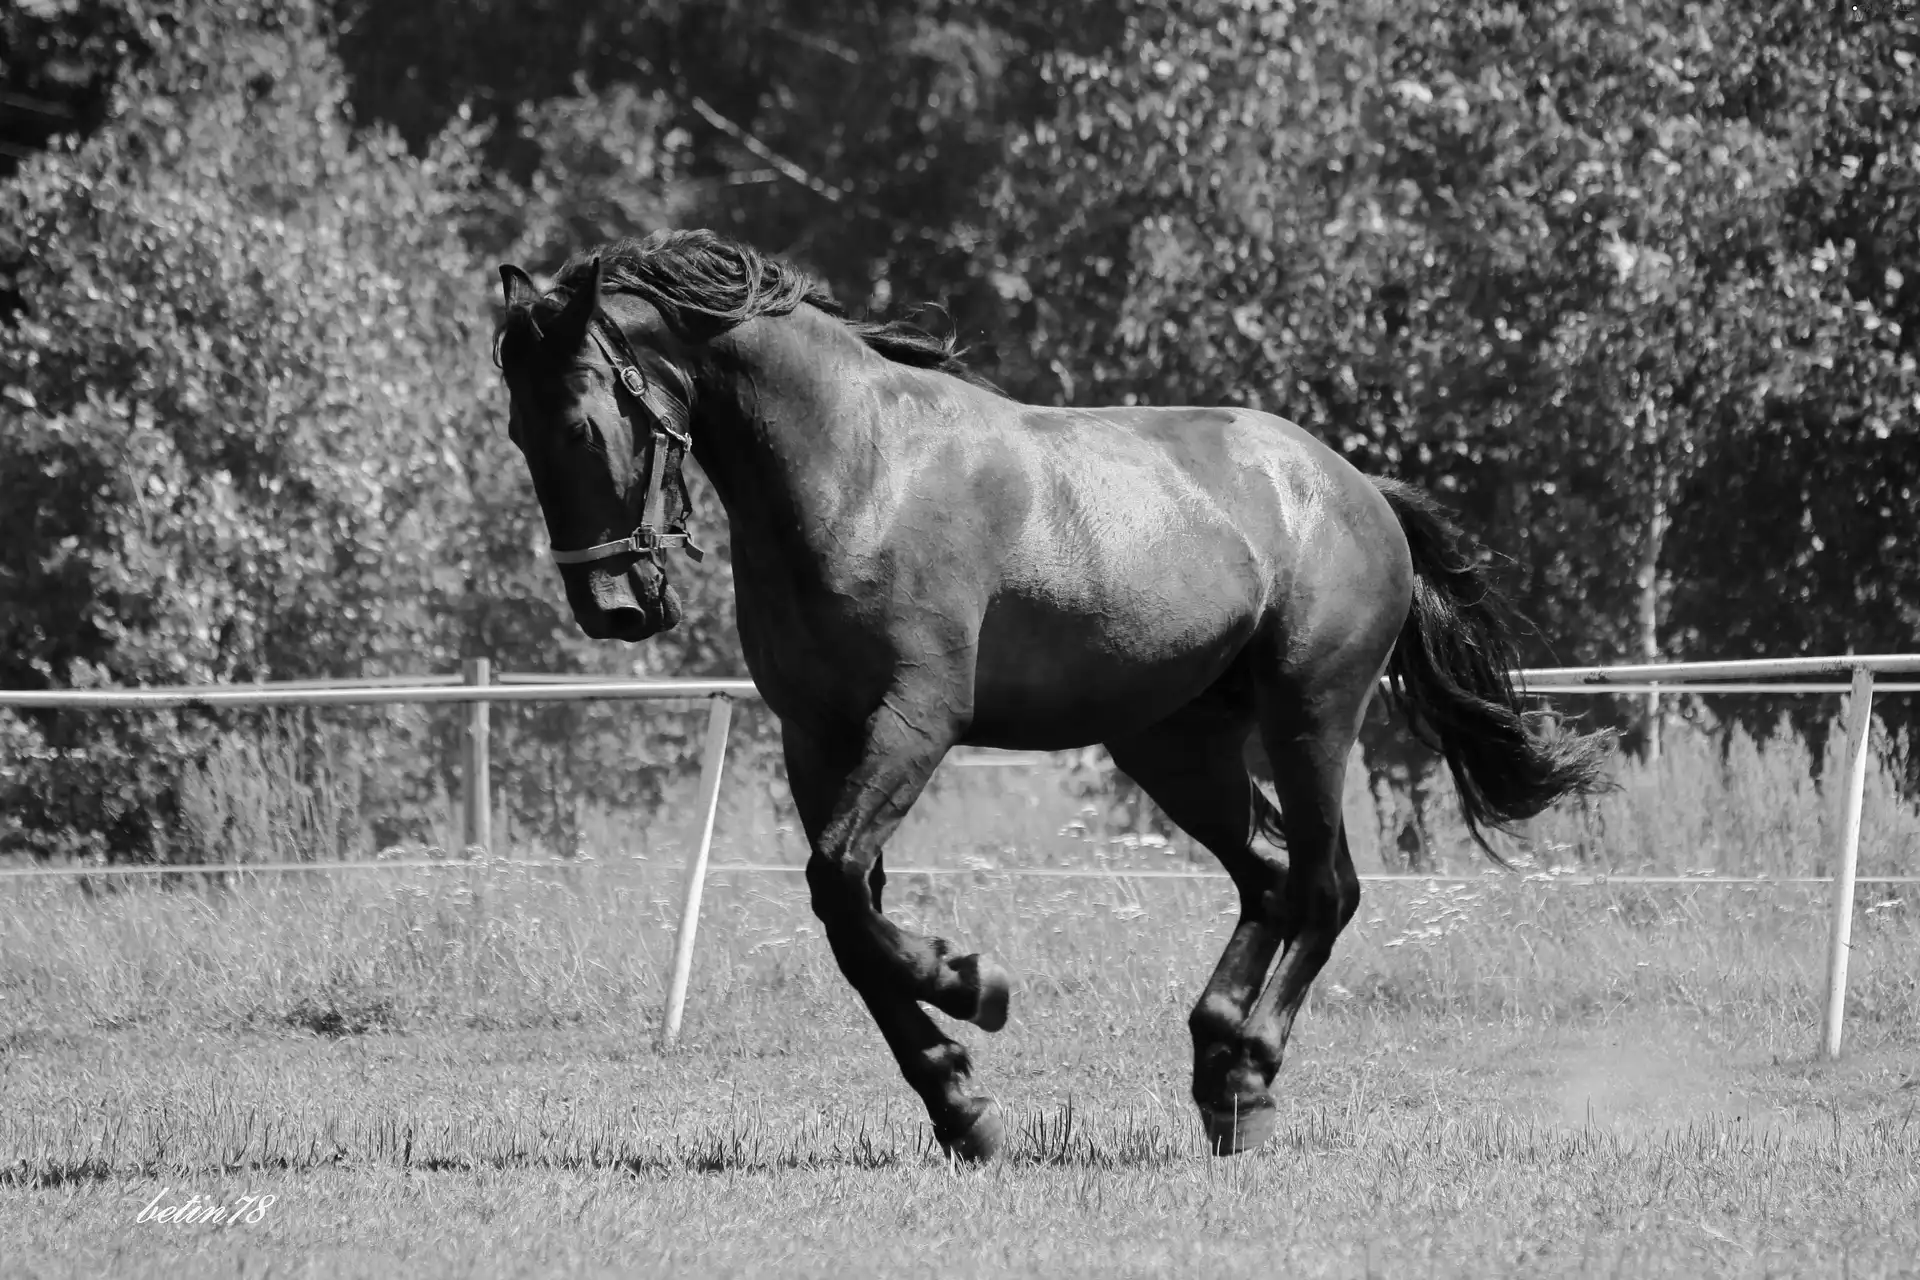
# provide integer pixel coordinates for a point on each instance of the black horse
(921, 562)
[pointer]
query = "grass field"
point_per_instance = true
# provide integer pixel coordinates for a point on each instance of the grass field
(454, 1073)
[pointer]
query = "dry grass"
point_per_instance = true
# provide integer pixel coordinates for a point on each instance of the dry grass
(453, 1073)
(511, 947)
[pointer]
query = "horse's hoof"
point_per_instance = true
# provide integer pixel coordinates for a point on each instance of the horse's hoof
(981, 1140)
(1240, 1126)
(995, 986)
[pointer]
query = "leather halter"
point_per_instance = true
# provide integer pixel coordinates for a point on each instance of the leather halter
(668, 418)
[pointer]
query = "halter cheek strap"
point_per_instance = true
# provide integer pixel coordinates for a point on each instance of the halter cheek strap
(668, 418)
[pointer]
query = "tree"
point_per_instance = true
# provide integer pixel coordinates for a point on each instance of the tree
(236, 400)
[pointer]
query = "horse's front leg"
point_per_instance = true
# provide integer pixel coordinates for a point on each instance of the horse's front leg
(851, 794)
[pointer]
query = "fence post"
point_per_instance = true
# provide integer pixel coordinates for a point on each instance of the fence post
(719, 718)
(1847, 857)
(475, 762)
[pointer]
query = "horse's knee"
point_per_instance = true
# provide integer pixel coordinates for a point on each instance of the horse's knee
(836, 890)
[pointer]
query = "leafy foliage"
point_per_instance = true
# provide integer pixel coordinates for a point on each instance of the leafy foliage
(1634, 288)
(234, 398)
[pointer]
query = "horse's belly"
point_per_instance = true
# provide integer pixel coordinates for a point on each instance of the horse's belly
(1054, 671)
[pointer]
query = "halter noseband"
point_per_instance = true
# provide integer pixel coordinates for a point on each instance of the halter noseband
(669, 420)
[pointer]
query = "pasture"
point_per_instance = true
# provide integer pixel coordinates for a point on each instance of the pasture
(454, 1073)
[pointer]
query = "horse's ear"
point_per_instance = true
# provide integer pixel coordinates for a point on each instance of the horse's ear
(518, 286)
(569, 328)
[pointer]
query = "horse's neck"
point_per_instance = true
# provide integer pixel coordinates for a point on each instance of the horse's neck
(781, 420)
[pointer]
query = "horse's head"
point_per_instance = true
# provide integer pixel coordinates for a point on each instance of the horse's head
(602, 421)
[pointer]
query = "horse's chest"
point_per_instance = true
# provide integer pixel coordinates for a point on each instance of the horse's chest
(817, 654)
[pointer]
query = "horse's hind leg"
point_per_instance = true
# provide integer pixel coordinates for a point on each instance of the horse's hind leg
(851, 798)
(1308, 739)
(1193, 766)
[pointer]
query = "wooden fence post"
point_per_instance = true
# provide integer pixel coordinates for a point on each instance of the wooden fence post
(719, 719)
(1847, 856)
(476, 775)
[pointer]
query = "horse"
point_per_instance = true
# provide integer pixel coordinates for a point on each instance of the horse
(922, 562)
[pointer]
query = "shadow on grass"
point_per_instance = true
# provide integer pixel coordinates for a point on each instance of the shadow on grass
(49, 1153)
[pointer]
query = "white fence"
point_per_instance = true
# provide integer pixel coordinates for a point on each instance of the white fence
(477, 687)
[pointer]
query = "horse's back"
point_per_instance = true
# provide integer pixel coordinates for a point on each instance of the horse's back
(1151, 477)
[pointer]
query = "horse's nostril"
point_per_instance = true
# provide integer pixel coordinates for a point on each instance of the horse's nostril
(614, 624)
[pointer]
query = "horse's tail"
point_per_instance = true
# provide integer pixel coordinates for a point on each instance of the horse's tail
(1449, 671)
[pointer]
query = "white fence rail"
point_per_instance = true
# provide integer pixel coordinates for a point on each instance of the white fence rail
(478, 688)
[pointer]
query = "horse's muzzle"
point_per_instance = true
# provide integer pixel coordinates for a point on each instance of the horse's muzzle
(630, 606)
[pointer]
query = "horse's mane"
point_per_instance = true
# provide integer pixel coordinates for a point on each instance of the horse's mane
(704, 284)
